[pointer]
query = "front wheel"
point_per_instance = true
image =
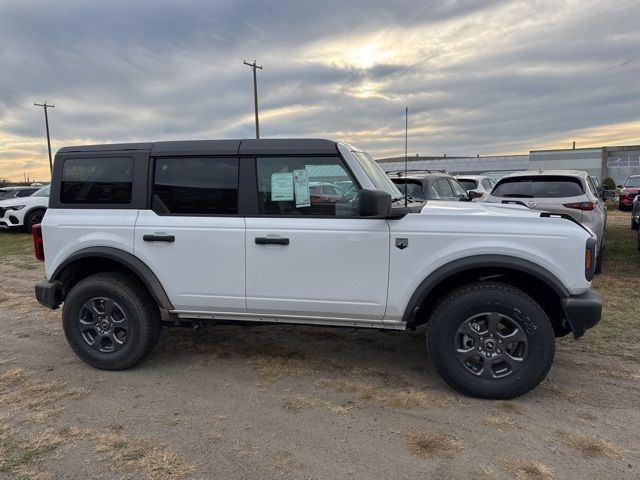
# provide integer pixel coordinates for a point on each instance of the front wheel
(110, 320)
(33, 218)
(490, 340)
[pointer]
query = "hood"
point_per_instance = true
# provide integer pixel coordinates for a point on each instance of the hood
(478, 209)
(24, 201)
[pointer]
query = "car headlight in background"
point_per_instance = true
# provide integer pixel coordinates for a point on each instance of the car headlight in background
(15, 207)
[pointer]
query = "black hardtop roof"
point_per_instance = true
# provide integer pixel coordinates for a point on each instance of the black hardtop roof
(263, 146)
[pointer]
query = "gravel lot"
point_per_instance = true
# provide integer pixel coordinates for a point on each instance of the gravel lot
(302, 402)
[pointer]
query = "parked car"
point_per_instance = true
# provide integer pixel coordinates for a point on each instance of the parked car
(24, 212)
(558, 191)
(478, 186)
(430, 186)
(635, 213)
(628, 191)
(179, 233)
(323, 192)
(17, 192)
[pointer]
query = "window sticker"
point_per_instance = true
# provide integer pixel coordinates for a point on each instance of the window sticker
(301, 186)
(282, 187)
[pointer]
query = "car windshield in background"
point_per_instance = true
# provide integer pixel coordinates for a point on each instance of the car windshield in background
(469, 184)
(538, 187)
(413, 188)
(632, 182)
(379, 179)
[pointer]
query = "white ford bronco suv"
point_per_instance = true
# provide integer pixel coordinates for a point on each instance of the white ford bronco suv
(141, 236)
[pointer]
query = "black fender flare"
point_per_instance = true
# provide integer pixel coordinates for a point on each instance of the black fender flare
(479, 261)
(131, 262)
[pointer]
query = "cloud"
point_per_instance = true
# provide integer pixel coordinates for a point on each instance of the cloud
(478, 77)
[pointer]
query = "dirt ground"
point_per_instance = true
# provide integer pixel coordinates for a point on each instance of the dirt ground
(303, 403)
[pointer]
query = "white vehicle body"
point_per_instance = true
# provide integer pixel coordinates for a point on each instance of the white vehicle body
(15, 211)
(480, 184)
(261, 283)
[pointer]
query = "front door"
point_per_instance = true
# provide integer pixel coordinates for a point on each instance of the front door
(310, 256)
(193, 238)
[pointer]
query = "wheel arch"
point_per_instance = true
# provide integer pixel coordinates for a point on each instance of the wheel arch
(92, 260)
(533, 279)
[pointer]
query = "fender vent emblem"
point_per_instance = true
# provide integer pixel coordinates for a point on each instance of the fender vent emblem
(402, 243)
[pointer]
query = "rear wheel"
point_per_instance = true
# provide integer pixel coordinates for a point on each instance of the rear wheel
(490, 340)
(598, 268)
(634, 223)
(110, 320)
(33, 218)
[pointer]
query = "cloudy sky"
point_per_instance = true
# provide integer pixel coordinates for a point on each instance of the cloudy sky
(479, 77)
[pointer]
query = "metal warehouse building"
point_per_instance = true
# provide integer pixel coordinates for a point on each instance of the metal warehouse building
(617, 162)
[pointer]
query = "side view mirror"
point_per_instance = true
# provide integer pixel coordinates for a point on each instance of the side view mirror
(619, 186)
(375, 203)
(608, 194)
(473, 194)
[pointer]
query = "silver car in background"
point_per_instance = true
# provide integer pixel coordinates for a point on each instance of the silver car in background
(558, 191)
(478, 186)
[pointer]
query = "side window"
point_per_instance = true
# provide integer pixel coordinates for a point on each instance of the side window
(458, 190)
(26, 192)
(486, 183)
(97, 180)
(592, 187)
(443, 188)
(305, 186)
(196, 186)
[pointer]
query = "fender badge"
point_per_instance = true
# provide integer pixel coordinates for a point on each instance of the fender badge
(402, 243)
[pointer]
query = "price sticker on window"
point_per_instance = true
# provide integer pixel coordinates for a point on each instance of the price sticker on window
(301, 187)
(282, 187)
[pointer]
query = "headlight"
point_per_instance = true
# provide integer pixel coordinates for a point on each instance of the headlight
(16, 207)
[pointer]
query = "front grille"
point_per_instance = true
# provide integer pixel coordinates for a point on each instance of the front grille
(2, 210)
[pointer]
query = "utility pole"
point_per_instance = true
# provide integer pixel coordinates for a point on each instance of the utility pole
(255, 92)
(46, 121)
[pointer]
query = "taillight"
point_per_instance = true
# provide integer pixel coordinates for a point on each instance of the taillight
(38, 245)
(588, 259)
(584, 206)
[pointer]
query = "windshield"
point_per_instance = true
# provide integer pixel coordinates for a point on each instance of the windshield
(377, 176)
(632, 182)
(468, 184)
(43, 192)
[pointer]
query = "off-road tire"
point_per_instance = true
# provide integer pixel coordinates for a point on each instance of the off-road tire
(133, 299)
(476, 298)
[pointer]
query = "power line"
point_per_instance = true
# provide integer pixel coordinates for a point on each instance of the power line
(255, 92)
(45, 106)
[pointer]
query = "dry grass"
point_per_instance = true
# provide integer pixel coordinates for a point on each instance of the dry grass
(523, 469)
(386, 394)
(593, 447)
(512, 408)
(499, 422)
(484, 473)
(142, 456)
(18, 389)
(432, 445)
(299, 402)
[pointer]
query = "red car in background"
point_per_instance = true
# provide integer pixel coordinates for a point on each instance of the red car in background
(628, 191)
(324, 193)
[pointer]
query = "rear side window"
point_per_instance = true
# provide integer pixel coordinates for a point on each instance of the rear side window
(538, 187)
(443, 188)
(196, 186)
(412, 188)
(26, 192)
(487, 184)
(97, 180)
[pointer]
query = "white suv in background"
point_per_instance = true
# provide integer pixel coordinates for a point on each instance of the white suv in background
(24, 212)
(229, 231)
(478, 186)
(565, 192)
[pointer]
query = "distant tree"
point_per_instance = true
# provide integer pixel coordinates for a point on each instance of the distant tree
(4, 182)
(609, 184)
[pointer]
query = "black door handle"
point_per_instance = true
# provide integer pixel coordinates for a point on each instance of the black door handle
(159, 238)
(271, 241)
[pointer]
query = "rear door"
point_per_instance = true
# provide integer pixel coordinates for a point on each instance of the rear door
(193, 237)
(311, 260)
